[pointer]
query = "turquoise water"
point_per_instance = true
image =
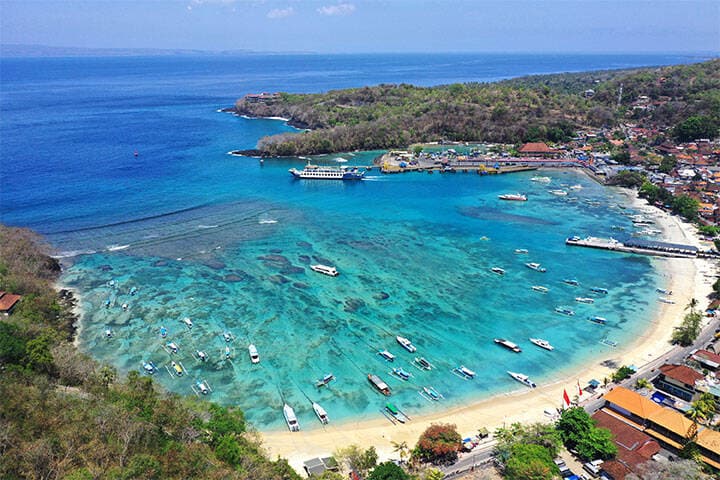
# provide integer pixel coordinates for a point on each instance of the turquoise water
(426, 242)
(228, 242)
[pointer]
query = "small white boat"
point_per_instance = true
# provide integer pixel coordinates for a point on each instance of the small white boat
(202, 356)
(541, 179)
(599, 320)
(387, 355)
(322, 382)
(518, 197)
(109, 333)
(601, 290)
(290, 418)
(663, 291)
(508, 344)
(565, 311)
(571, 281)
(576, 187)
(227, 336)
(401, 373)
(173, 347)
(666, 300)
(522, 379)
(558, 192)
(584, 300)
(149, 367)
(325, 269)
(406, 344)
(227, 352)
(536, 266)
(540, 288)
(188, 322)
(431, 394)
(254, 355)
(464, 371)
(422, 364)
(163, 332)
(498, 270)
(321, 413)
(542, 343)
(201, 387)
(521, 251)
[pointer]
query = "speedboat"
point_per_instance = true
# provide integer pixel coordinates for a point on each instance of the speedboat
(290, 418)
(149, 367)
(571, 281)
(542, 343)
(536, 266)
(576, 187)
(507, 344)
(565, 311)
(321, 413)
(604, 291)
(254, 355)
(407, 344)
(518, 197)
(522, 379)
(596, 319)
(464, 371)
(521, 251)
(584, 300)
(558, 192)
(188, 322)
(423, 364)
(326, 270)
(387, 355)
(401, 373)
(379, 385)
(541, 179)
(201, 355)
(498, 270)
(177, 368)
(173, 347)
(322, 382)
(539, 288)
(108, 333)
(666, 300)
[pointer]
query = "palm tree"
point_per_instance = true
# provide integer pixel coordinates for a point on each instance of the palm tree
(402, 449)
(693, 303)
(643, 383)
(695, 413)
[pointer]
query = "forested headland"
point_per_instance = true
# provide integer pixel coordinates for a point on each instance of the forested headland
(537, 108)
(63, 415)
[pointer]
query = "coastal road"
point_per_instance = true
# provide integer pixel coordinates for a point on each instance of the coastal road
(478, 458)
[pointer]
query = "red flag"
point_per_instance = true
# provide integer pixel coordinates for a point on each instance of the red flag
(566, 398)
(579, 389)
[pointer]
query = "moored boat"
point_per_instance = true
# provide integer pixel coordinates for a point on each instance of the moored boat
(406, 344)
(315, 172)
(521, 251)
(290, 418)
(541, 179)
(584, 300)
(387, 355)
(596, 319)
(395, 412)
(522, 379)
(202, 356)
(571, 281)
(324, 381)
(401, 373)
(173, 347)
(565, 311)
(325, 270)
(540, 288)
(431, 394)
(149, 367)
(518, 197)
(558, 192)
(542, 343)
(663, 291)
(536, 266)
(604, 291)
(379, 385)
(163, 332)
(666, 300)
(254, 355)
(423, 364)
(188, 322)
(498, 270)
(508, 344)
(463, 371)
(177, 368)
(321, 413)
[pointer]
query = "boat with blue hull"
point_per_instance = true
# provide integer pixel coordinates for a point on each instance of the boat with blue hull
(315, 172)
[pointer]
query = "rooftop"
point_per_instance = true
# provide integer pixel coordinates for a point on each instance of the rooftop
(681, 373)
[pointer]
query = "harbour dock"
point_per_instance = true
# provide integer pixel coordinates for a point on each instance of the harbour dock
(642, 247)
(480, 169)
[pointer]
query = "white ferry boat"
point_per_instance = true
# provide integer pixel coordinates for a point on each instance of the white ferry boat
(522, 379)
(325, 269)
(290, 418)
(542, 343)
(315, 172)
(507, 344)
(518, 197)
(536, 266)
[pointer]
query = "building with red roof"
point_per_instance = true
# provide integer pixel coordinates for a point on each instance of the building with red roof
(538, 149)
(8, 301)
(679, 380)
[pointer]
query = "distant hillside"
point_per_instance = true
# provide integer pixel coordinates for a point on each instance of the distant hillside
(548, 108)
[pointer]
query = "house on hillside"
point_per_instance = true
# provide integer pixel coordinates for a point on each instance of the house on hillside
(679, 380)
(8, 301)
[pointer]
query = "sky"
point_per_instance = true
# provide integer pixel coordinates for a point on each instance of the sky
(368, 26)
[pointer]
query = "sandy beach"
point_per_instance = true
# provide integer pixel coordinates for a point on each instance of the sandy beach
(684, 277)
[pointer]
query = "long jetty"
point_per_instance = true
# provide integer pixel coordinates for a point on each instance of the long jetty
(643, 247)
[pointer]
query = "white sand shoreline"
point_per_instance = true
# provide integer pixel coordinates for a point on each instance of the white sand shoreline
(684, 278)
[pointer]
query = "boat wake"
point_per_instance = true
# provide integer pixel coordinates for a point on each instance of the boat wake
(115, 248)
(205, 227)
(267, 222)
(73, 253)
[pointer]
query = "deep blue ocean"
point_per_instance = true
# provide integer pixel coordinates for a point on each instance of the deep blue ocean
(227, 241)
